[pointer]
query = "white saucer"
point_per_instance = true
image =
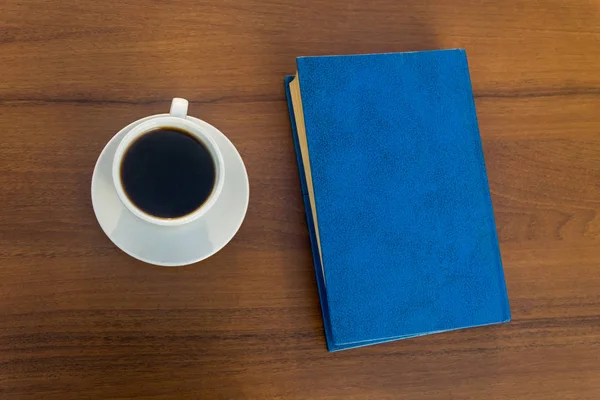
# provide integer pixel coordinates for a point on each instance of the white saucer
(172, 245)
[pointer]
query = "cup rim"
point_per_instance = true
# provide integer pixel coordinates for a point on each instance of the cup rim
(172, 122)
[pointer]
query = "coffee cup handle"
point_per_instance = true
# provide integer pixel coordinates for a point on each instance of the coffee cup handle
(179, 107)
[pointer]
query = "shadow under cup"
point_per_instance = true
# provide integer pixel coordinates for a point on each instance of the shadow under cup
(167, 171)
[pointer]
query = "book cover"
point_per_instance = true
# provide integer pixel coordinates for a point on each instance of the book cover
(396, 196)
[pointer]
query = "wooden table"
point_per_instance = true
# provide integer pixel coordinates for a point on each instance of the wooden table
(80, 319)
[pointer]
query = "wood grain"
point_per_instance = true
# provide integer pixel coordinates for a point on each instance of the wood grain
(80, 319)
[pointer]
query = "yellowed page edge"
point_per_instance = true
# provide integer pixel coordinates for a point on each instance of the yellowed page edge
(301, 131)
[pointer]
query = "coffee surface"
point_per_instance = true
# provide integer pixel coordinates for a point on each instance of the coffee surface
(168, 173)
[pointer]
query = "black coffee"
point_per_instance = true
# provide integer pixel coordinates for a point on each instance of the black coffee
(168, 173)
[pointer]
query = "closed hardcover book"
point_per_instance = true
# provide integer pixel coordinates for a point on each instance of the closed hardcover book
(396, 195)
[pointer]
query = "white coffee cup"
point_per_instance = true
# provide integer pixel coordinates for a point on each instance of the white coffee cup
(177, 118)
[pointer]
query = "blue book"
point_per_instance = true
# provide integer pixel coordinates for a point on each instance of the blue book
(396, 195)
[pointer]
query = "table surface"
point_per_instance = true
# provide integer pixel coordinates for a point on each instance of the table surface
(80, 319)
